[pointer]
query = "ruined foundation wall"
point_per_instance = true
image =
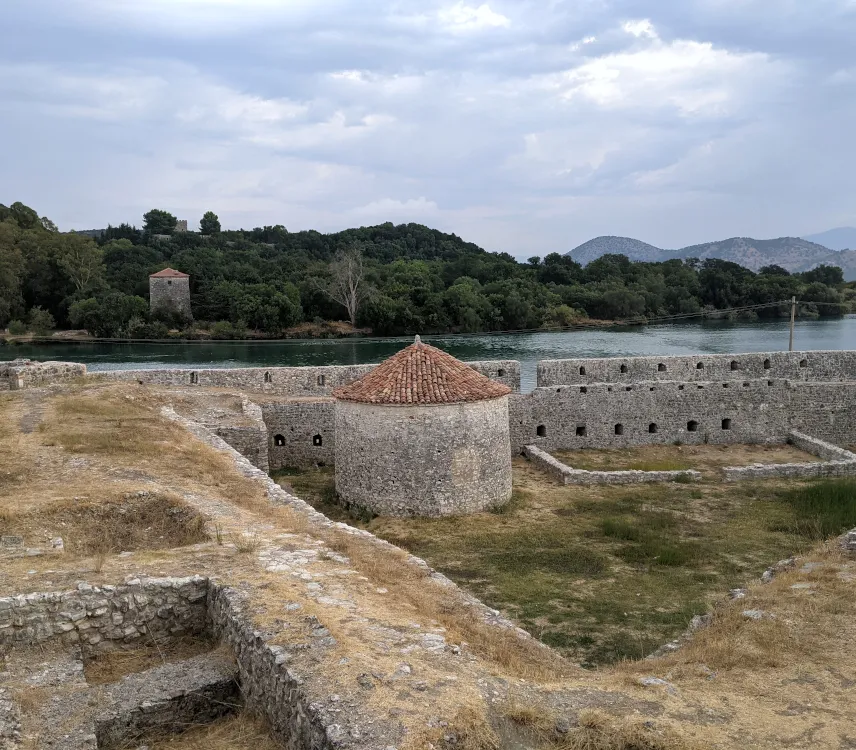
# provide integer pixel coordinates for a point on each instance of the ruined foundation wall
(101, 618)
(18, 374)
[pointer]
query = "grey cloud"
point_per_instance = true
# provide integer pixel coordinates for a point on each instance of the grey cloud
(729, 118)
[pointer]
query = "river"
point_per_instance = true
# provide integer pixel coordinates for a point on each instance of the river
(710, 337)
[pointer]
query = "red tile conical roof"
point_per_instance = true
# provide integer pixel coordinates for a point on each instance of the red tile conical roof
(421, 375)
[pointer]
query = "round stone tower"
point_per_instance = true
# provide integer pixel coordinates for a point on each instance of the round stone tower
(423, 434)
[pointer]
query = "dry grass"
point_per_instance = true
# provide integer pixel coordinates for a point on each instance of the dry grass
(110, 524)
(114, 665)
(240, 732)
(708, 459)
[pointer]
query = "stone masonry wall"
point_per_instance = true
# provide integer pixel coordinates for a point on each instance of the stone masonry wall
(808, 366)
(101, 618)
(24, 373)
(436, 460)
(170, 294)
(301, 433)
(567, 475)
(290, 381)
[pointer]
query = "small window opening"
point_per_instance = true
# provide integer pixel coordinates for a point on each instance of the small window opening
(500, 373)
(194, 377)
(726, 424)
(692, 426)
(735, 365)
(652, 428)
(169, 282)
(541, 431)
(583, 389)
(623, 368)
(680, 387)
(700, 387)
(581, 430)
(803, 363)
(279, 440)
(769, 382)
(619, 429)
(653, 388)
(609, 389)
(321, 380)
(628, 388)
(317, 441)
(700, 366)
(558, 390)
(582, 370)
(746, 385)
(767, 364)
(725, 385)
(267, 377)
(661, 367)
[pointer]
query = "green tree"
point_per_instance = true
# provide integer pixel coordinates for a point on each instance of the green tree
(157, 221)
(41, 321)
(82, 262)
(209, 224)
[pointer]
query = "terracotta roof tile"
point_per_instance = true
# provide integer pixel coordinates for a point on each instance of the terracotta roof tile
(169, 273)
(421, 374)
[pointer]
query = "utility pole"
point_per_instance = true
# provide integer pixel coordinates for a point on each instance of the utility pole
(793, 317)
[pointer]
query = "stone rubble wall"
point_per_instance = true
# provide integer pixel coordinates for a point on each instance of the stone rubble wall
(306, 431)
(838, 463)
(567, 475)
(290, 381)
(18, 374)
(807, 366)
(426, 461)
(251, 442)
(100, 618)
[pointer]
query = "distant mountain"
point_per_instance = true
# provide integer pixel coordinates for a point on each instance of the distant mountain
(633, 249)
(792, 253)
(843, 238)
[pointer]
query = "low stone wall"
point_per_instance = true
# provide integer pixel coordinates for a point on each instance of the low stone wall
(100, 618)
(251, 442)
(567, 475)
(839, 463)
(18, 374)
(819, 448)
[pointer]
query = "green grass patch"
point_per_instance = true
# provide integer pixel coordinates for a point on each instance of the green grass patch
(821, 509)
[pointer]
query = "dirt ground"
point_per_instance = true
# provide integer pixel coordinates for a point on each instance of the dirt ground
(773, 669)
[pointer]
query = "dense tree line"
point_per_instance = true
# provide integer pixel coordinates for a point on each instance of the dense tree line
(411, 279)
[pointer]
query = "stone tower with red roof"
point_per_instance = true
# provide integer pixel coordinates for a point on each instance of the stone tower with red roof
(423, 434)
(169, 290)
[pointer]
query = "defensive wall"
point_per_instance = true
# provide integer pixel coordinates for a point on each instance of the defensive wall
(578, 403)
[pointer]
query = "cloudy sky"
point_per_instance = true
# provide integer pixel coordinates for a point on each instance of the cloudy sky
(527, 126)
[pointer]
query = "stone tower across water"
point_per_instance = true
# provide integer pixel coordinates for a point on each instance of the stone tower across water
(423, 434)
(169, 290)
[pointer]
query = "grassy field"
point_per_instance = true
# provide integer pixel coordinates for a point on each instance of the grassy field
(608, 573)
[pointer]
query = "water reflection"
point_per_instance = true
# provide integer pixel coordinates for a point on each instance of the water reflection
(710, 337)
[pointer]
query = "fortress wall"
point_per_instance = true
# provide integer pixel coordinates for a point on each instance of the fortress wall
(805, 366)
(575, 417)
(300, 424)
(24, 373)
(291, 381)
(824, 410)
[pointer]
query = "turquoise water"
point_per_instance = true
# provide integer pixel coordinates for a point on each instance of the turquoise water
(711, 337)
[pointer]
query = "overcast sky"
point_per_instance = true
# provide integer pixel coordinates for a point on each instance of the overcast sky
(527, 126)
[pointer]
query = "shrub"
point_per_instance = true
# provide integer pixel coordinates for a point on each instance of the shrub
(223, 329)
(17, 328)
(41, 321)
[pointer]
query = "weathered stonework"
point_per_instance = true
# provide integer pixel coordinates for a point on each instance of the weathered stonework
(567, 475)
(438, 460)
(100, 618)
(18, 374)
(170, 294)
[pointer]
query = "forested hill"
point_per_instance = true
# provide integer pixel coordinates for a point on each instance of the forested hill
(401, 279)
